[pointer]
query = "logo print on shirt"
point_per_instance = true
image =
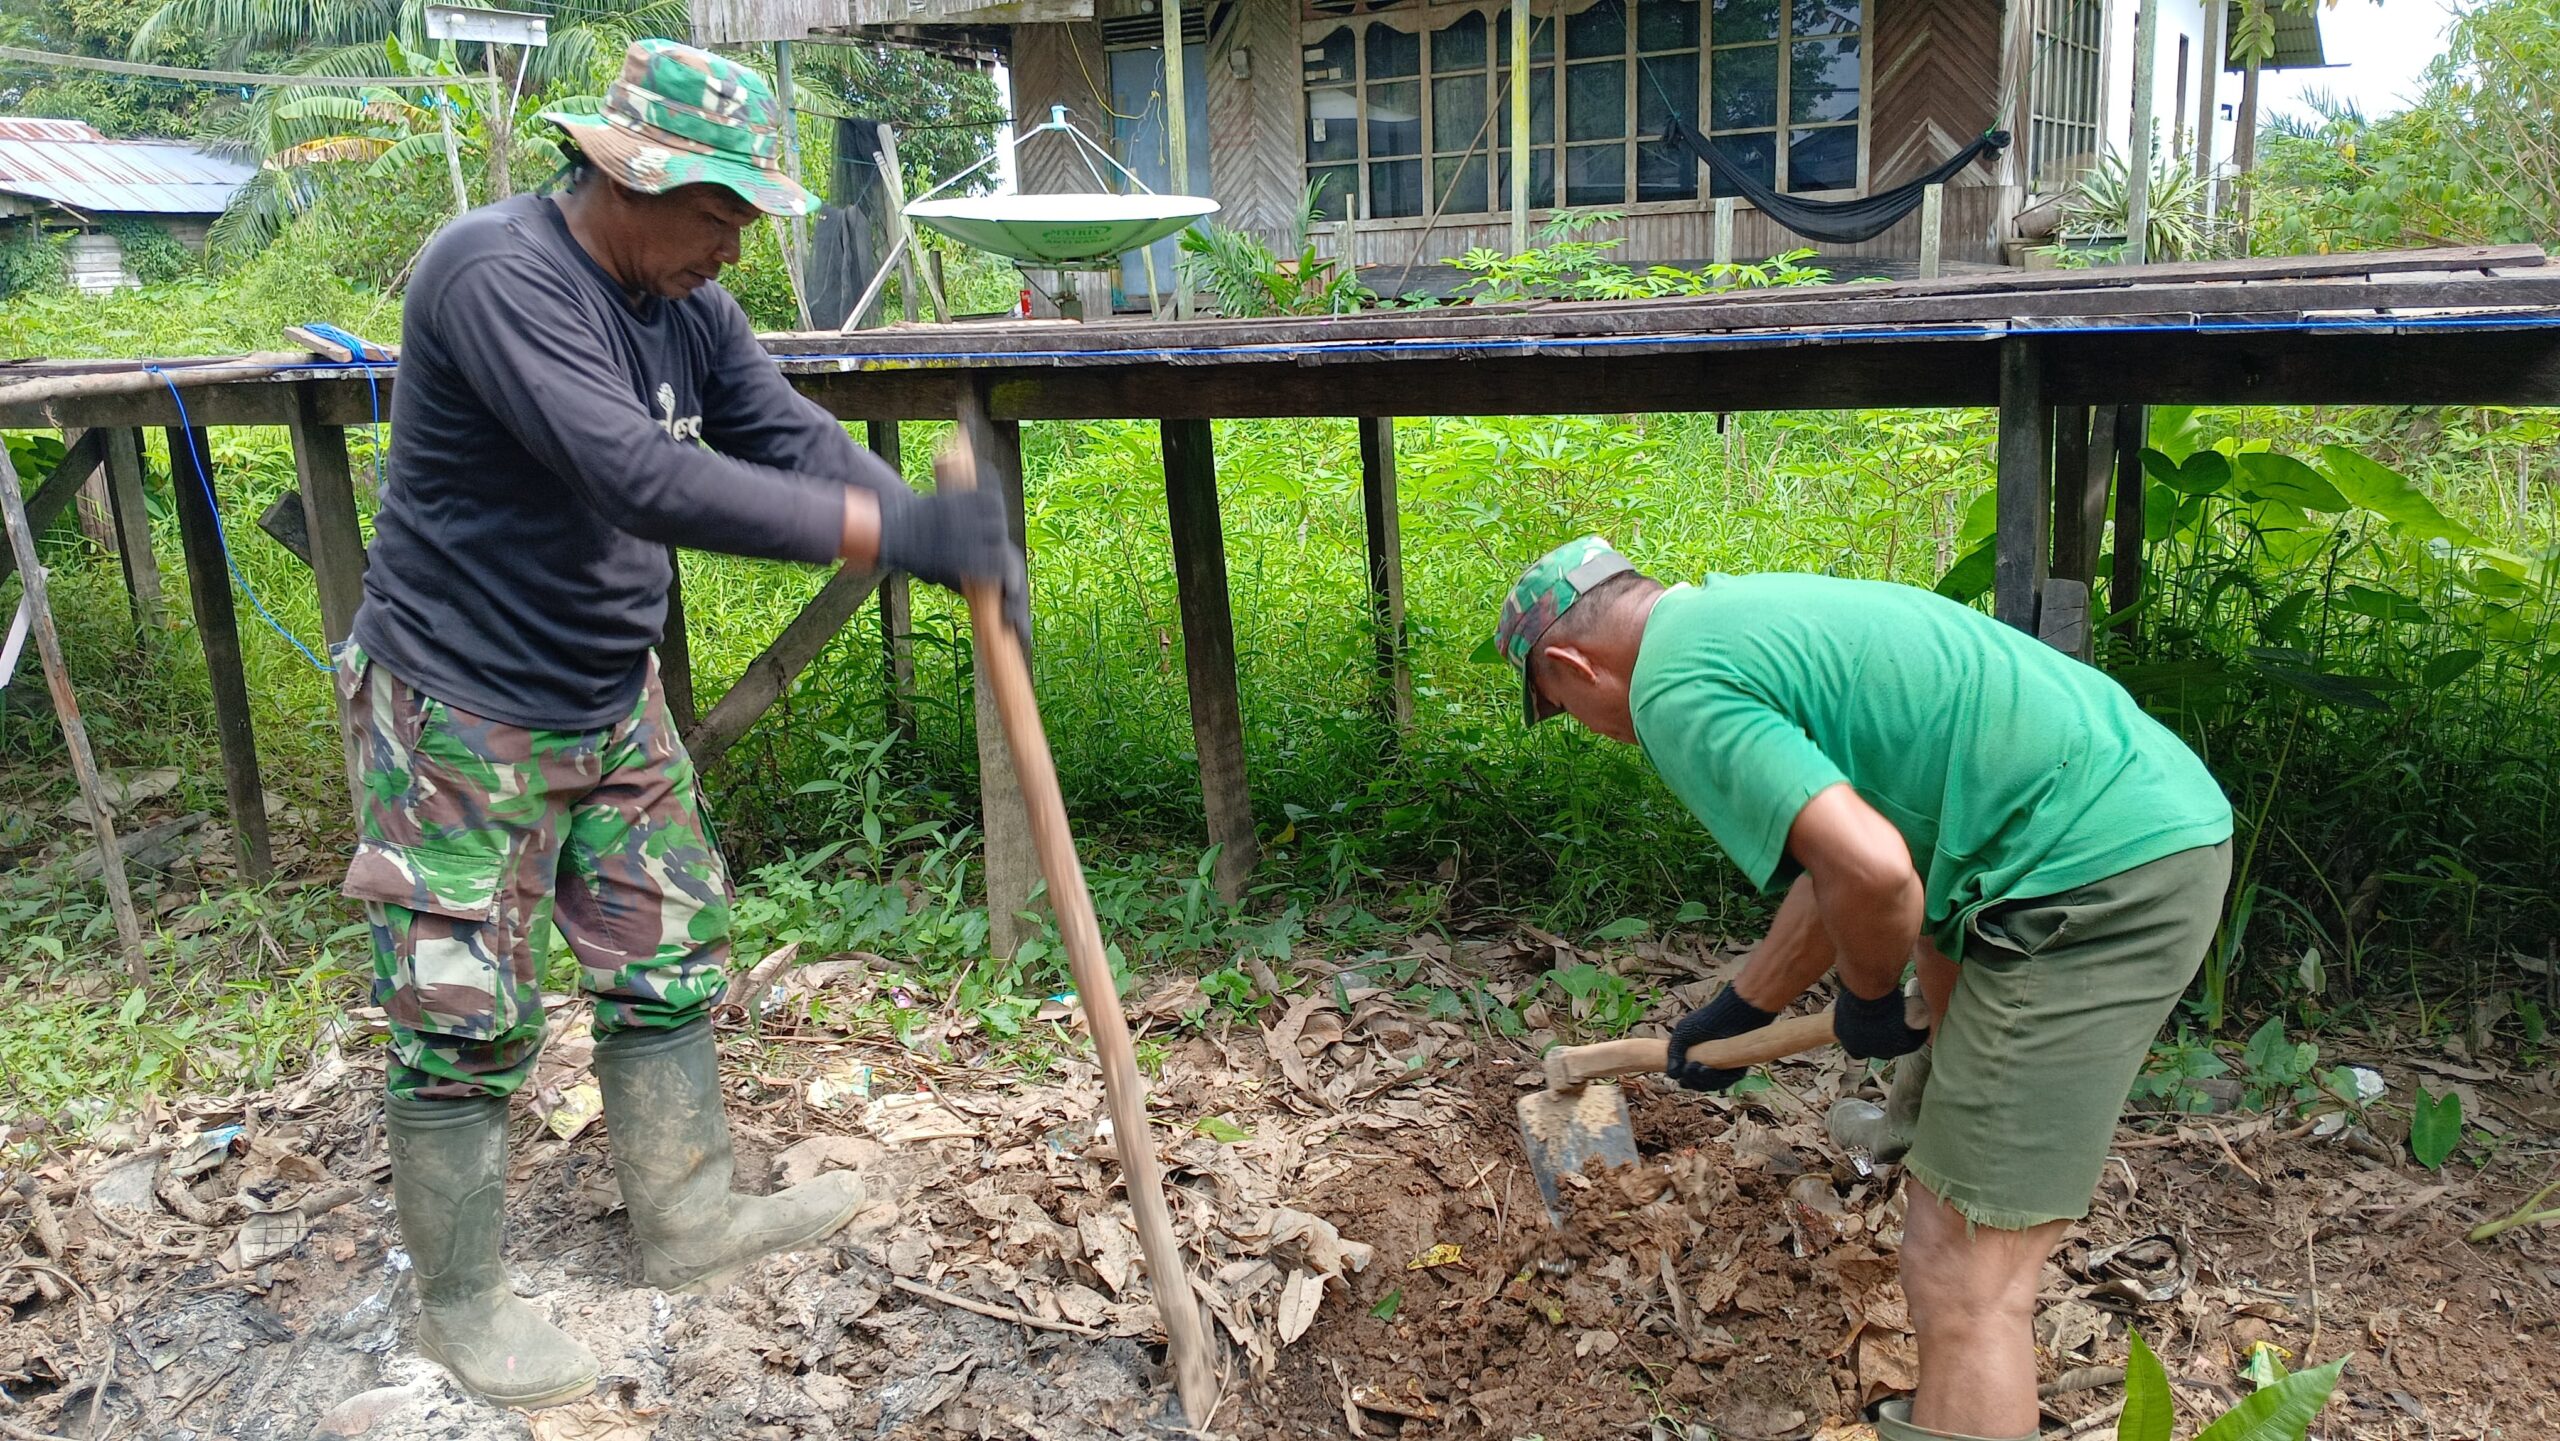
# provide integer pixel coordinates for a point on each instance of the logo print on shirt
(677, 428)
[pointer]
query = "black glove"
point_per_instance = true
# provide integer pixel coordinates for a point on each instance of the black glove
(952, 537)
(1874, 1030)
(1727, 1015)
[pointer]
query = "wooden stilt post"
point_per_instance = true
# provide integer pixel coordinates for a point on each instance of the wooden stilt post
(1209, 648)
(1933, 227)
(66, 710)
(1723, 252)
(897, 605)
(1386, 567)
(132, 507)
(329, 513)
(2025, 487)
(675, 649)
(218, 628)
(2124, 587)
(1013, 865)
(2078, 527)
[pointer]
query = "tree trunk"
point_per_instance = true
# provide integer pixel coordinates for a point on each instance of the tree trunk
(2244, 152)
(501, 126)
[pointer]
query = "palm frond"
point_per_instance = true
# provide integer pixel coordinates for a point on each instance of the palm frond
(331, 150)
(425, 147)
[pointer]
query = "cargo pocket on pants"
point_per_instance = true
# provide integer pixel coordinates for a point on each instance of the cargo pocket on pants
(450, 965)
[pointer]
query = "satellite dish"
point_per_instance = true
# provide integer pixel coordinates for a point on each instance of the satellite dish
(1061, 231)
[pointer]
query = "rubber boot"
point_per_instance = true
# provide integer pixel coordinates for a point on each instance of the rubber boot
(1893, 1423)
(1883, 1133)
(449, 1177)
(671, 1149)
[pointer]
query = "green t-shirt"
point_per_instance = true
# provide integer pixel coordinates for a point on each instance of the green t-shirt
(2012, 770)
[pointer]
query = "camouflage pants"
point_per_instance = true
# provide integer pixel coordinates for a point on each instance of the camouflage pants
(473, 838)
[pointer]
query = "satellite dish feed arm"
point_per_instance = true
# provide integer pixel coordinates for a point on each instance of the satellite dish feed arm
(1058, 123)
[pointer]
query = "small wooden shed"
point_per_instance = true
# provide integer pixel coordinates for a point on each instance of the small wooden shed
(65, 174)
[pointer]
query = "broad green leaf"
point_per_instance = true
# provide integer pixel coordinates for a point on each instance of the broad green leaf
(2203, 473)
(2147, 1409)
(2356, 692)
(1970, 578)
(2282, 1412)
(2373, 486)
(2174, 431)
(2445, 669)
(1222, 1130)
(1981, 519)
(2265, 1366)
(1385, 1310)
(2283, 622)
(1624, 928)
(1690, 913)
(2281, 477)
(2435, 1126)
(1487, 653)
(2387, 606)
(131, 1010)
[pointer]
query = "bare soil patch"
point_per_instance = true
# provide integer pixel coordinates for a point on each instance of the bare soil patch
(1363, 1229)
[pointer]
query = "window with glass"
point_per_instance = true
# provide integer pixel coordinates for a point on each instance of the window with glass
(2062, 130)
(1404, 122)
(1786, 90)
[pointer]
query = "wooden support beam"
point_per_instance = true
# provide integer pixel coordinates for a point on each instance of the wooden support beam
(2074, 548)
(218, 628)
(1209, 648)
(86, 450)
(2124, 587)
(1013, 864)
(2025, 487)
(1386, 567)
(1933, 229)
(329, 521)
(22, 532)
(675, 649)
(897, 603)
(2089, 483)
(132, 508)
(772, 671)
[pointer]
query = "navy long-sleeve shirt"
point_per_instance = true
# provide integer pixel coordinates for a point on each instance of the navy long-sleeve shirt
(553, 441)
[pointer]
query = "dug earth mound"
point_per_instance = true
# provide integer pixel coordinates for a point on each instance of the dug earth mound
(1364, 1232)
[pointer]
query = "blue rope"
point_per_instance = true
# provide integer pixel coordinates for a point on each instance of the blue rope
(363, 349)
(204, 481)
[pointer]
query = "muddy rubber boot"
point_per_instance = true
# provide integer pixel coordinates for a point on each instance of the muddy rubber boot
(671, 1149)
(1893, 1423)
(1883, 1133)
(449, 1179)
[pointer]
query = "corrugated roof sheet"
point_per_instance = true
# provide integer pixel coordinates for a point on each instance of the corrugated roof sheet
(55, 160)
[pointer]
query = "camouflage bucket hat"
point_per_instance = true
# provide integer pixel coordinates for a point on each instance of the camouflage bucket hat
(681, 116)
(1544, 593)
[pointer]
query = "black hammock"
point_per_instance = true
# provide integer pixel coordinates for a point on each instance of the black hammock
(1841, 222)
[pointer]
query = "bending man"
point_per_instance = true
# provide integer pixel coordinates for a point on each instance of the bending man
(1921, 780)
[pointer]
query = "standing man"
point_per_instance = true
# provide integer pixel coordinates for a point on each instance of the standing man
(576, 396)
(1922, 780)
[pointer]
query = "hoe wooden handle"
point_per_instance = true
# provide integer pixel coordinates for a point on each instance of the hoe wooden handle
(1008, 674)
(1569, 1067)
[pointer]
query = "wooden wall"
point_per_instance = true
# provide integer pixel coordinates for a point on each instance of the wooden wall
(1062, 64)
(1937, 82)
(1256, 172)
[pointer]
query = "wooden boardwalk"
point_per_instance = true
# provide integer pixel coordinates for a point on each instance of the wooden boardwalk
(2068, 359)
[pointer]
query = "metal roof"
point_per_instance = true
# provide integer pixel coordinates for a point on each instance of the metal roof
(72, 165)
(2298, 40)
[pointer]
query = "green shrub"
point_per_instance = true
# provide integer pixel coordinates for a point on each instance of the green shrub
(31, 262)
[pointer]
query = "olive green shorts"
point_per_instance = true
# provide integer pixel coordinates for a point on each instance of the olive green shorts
(2056, 1005)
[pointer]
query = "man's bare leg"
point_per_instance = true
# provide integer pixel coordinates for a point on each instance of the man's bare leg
(1973, 1304)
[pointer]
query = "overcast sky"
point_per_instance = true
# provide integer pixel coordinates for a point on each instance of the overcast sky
(2375, 51)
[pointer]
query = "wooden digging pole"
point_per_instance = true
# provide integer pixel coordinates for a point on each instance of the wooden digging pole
(1008, 672)
(66, 708)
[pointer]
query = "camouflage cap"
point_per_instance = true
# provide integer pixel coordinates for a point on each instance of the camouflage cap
(682, 116)
(1544, 593)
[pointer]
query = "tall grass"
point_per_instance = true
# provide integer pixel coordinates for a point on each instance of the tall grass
(2407, 840)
